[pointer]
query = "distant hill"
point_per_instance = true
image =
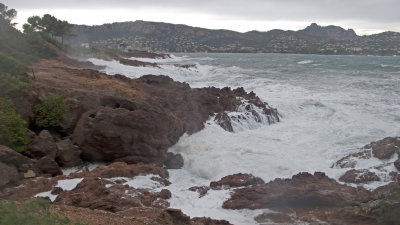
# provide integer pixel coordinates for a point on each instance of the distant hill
(165, 37)
(330, 32)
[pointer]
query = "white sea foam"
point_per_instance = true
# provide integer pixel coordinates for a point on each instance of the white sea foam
(141, 182)
(69, 184)
(305, 62)
(327, 111)
(51, 196)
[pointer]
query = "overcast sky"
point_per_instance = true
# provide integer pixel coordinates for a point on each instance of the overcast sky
(364, 16)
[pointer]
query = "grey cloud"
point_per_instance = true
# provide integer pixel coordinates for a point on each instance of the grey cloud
(311, 10)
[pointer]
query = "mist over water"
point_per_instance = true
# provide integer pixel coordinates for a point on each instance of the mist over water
(329, 105)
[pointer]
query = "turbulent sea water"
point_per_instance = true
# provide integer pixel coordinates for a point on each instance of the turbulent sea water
(329, 105)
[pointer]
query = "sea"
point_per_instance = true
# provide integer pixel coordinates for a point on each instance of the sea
(329, 106)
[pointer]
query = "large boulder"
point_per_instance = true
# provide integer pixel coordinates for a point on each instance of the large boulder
(68, 155)
(48, 167)
(43, 145)
(142, 134)
(236, 180)
(8, 175)
(304, 190)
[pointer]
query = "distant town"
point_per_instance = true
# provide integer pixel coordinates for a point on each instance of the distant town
(163, 37)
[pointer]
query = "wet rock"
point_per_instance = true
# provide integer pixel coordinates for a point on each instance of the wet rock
(208, 221)
(274, 217)
(136, 63)
(98, 193)
(302, 191)
(385, 148)
(161, 180)
(176, 216)
(165, 194)
(397, 164)
(236, 180)
(43, 145)
(8, 175)
(224, 121)
(68, 155)
(350, 161)
(174, 161)
(122, 169)
(202, 190)
(47, 166)
(359, 176)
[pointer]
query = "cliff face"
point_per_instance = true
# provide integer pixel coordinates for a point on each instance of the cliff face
(330, 32)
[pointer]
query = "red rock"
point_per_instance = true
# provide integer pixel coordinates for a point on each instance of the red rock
(202, 190)
(224, 121)
(98, 193)
(122, 169)
(236, 180)
(302, 191)
(385, 148)
(359, 176)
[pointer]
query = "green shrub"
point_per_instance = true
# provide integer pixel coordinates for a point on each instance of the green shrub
(50, 112)
(33, 212)
(10, 65)
(12, 127)
(12, 85)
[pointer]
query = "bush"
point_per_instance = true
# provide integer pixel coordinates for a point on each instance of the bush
(33, 212)
(12, 127)
(50, 112)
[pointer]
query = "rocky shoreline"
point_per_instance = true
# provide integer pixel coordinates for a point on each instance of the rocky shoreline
(129, 124)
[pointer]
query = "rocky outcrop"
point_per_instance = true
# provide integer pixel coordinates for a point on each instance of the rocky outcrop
(385, 148)
(359, 176)
(136, 63)
(236, 180)
(141, 130)
(173, 161)
(304, 190)
(330, 32)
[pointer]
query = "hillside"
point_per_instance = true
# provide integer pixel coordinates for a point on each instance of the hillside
(164, 37)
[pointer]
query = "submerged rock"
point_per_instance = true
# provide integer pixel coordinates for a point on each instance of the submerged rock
(174, 161)
(202, 190)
